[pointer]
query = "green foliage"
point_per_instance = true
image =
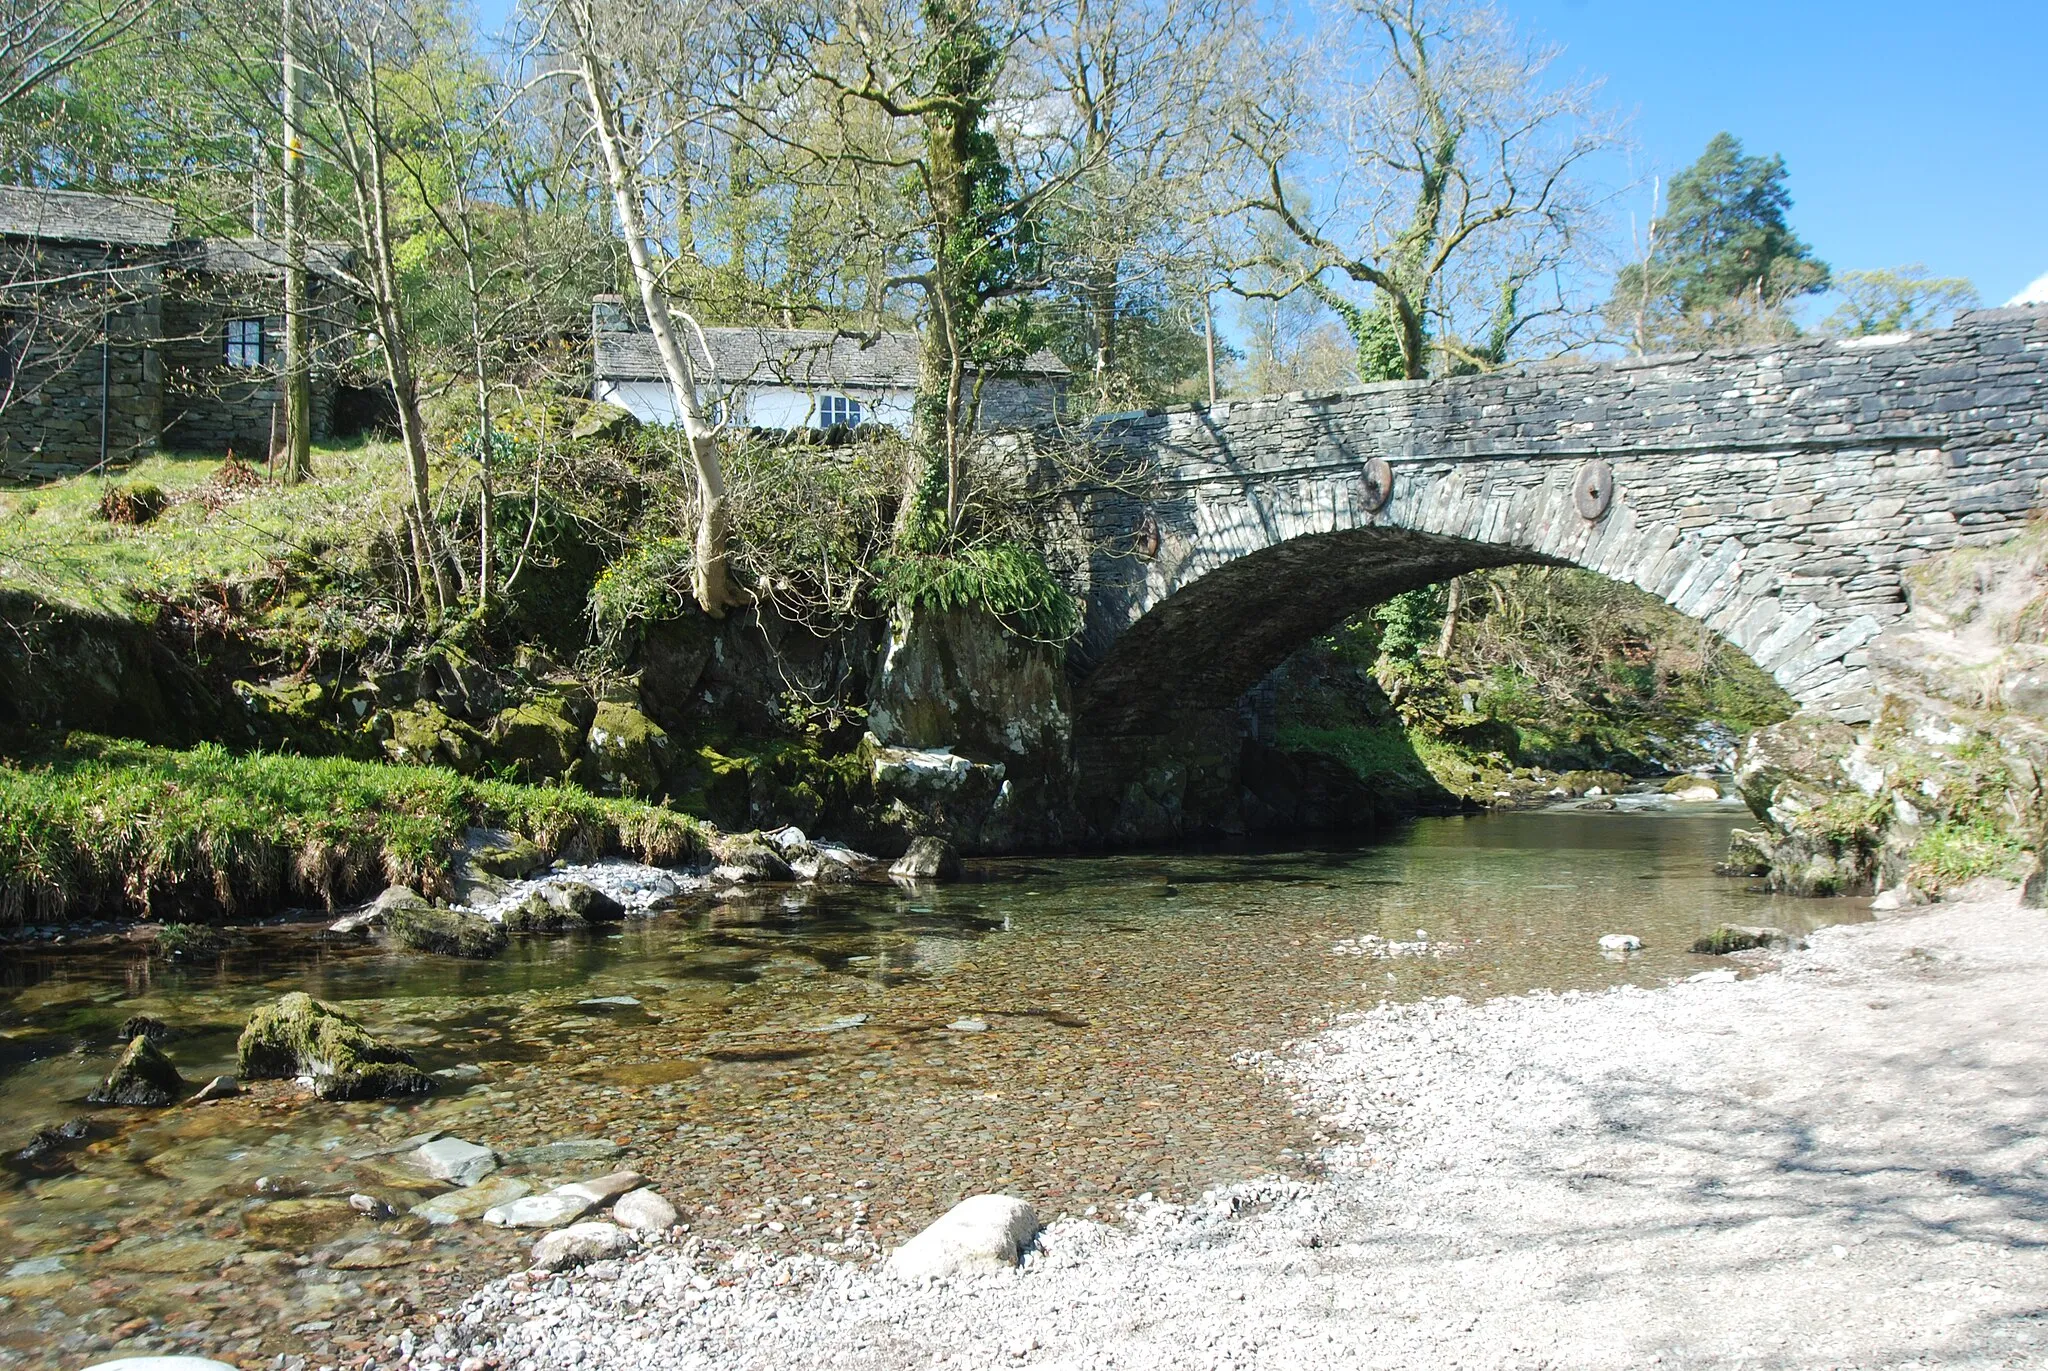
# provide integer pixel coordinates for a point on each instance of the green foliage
(1382, 755)
(1903, 299)
(189, 940)
(1725, 260)
(112, 828)
(1410, 624)
(1951, 852)
(650, 582)
(999, 577)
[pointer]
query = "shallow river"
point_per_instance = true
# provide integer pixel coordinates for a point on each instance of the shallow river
(821, 1068)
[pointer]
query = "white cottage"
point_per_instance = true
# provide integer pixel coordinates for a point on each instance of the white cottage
(790, 378)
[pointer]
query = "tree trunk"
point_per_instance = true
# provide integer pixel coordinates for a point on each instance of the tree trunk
(713, 579)
(1453, 602)
(297, 380)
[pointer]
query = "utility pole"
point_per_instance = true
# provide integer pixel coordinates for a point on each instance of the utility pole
(297, 379)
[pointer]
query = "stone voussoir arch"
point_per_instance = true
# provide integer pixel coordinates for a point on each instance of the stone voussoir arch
(1779, 495)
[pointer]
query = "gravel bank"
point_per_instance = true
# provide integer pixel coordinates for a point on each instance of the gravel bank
(1843, 1163)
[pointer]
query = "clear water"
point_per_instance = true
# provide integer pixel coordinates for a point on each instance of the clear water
(801, 1066)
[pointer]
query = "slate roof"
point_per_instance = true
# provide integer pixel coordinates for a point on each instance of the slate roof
(83, 217)
(805, 358)
(241, 256)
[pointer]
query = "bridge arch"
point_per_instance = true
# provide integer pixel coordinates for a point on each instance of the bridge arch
(1778, 495)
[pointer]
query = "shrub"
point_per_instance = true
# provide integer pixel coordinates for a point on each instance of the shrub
(1002, 578)
(132, 505)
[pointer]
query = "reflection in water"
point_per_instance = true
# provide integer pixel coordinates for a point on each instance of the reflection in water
(803, 1067)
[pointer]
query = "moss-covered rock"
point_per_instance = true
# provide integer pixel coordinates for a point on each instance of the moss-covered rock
(298, 1037)
(747, 857)
(603, 423)
(419, 927)
(563, 908)
(536, 740)
(1586, 782)
(143, 1076)
(190, 940)
(1737, 938)
(1749, 854)
(424, 734)
(628, 752)
(500, 852)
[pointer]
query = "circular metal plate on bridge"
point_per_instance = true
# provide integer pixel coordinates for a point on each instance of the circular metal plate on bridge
(1377, 484)
(1593, 489)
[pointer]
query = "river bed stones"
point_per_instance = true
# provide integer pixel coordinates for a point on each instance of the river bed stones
(1738, 938)
(1620, 942)
(564, 1152)
(551, 1210)
(458, 1206)
(143, 1076)
(300, 1038)
(455, 1161)
(580, 1243)
(981, 1233)
(602, 1190)
(644, 1210)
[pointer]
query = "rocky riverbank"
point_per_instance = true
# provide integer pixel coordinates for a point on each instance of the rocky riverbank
(1835, 1163)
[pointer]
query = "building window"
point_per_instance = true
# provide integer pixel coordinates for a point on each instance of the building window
(248, 343)
(834, 410)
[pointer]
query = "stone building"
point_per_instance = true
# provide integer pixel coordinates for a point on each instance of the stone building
(792, 378)
(119, 336)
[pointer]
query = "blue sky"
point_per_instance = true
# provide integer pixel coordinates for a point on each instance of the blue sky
(1911, 132)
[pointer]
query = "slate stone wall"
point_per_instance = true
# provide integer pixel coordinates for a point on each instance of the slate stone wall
(1779, 495)
(79, 322)
(210, 407)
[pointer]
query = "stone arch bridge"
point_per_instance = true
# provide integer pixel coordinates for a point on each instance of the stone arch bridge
(1778, 495)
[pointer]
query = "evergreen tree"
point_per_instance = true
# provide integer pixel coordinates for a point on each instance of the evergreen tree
(1723, 263)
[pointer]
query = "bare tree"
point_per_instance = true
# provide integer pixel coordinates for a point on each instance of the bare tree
(41, 40)
(1454, 197)
(297, 380)
(592, 36)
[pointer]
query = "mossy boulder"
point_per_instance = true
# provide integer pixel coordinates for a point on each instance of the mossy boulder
(1586, 782)
(143, 1076)
(628, 752)
(300, 1038)
(603, 423)
(424, 734)
(748, 857)
(536, 740)
(563, 908)
(419, 927)
(1737, 938)
(1749, 854)
(500, 852)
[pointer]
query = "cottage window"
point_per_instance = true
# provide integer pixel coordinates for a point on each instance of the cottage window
(248, 342)
(838, 409)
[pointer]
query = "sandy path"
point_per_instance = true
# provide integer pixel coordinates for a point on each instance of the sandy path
(1842, 1164)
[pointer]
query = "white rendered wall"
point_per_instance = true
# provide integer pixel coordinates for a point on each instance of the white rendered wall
(759, 406)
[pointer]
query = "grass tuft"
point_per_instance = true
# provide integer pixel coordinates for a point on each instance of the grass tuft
(117, 829)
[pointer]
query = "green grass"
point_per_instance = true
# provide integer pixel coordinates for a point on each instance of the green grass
(1377, 756)
(1950, 853)
(55, 544)
(112, 829)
